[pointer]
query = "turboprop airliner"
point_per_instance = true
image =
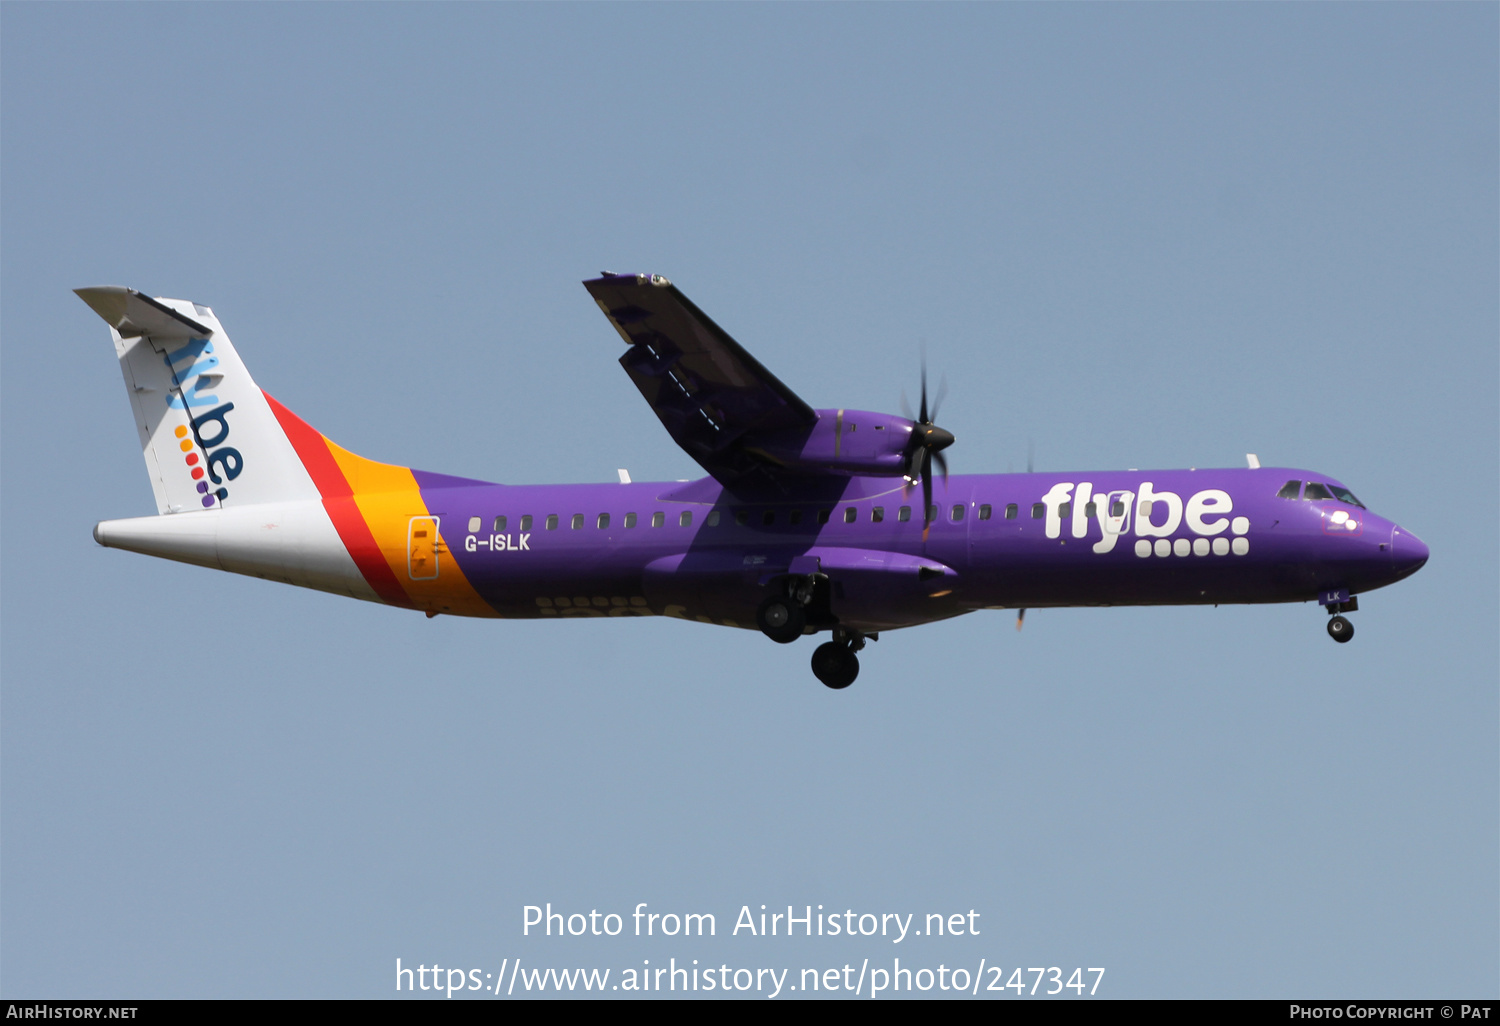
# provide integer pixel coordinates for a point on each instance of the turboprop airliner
(808, 521)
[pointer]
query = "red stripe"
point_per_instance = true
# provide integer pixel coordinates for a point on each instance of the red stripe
(338, 500)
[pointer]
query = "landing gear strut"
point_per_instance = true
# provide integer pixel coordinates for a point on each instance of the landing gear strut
(834, 662)
(1340, 629)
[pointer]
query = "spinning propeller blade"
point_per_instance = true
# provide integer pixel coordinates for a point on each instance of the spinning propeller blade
(927, 444)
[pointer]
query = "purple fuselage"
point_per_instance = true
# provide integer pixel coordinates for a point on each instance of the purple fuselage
(1174, 537)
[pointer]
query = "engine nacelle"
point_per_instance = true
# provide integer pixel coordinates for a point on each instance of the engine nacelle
(845, 442)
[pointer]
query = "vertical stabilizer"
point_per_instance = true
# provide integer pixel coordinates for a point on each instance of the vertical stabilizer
(207, 433)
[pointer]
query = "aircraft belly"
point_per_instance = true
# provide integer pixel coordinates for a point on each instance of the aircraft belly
(554, 589)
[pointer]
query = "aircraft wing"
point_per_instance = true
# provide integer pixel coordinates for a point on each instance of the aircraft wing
(713, 397)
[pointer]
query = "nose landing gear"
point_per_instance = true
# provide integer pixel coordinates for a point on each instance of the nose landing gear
(1339, 629)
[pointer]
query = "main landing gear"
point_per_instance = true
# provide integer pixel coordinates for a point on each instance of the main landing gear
(800, 604)
(834, 662)
(781, 618)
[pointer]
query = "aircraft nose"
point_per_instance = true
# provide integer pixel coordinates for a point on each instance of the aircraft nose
(1408, 552)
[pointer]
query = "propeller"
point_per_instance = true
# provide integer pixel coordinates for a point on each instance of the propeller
(1030, 469)
(927, 444)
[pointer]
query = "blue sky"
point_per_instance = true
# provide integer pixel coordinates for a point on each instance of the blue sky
(1130, 235)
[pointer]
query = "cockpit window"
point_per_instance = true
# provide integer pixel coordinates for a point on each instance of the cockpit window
(1316, 491)
(1345, 495)
(1289, 490)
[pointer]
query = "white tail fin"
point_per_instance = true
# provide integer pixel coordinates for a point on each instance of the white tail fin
(208, 434)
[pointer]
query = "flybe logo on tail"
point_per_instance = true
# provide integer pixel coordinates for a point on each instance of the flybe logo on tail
(210, 430)
(193, 362)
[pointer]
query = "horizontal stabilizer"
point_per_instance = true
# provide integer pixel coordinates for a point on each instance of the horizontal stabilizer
(133, 314)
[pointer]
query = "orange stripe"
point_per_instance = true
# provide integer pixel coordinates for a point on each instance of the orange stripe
(338, 500)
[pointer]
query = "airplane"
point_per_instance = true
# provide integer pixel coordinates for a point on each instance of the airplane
(807, 521)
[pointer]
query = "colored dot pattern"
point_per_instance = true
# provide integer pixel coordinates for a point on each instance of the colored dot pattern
(186, 444)
(1197, 547)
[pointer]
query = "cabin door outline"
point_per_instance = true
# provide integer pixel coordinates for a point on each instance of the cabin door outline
(422, 548)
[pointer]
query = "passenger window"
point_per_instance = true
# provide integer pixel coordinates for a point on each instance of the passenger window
(931, 514)
(984, 511)
(794, 517)
(1038, 510)
(577, 521)
(877, 514)
(956, 513)
(768, 518)
(1117, 508)
(903, 514)
(526, 522)
(629, 520)
(685, 518)
(603, 521)
(499, 524)
(658, 518)
(475, 524)
(1090, 509)
(713, 519)
(1145, 509)
(1011, 509)
(823, 515)
(1065, 510)
(850, 514)
(1316, 491)
(551, 521)
(1289, 490)
(741, 517)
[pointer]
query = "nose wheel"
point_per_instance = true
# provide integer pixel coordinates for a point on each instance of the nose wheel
(1340, 629)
